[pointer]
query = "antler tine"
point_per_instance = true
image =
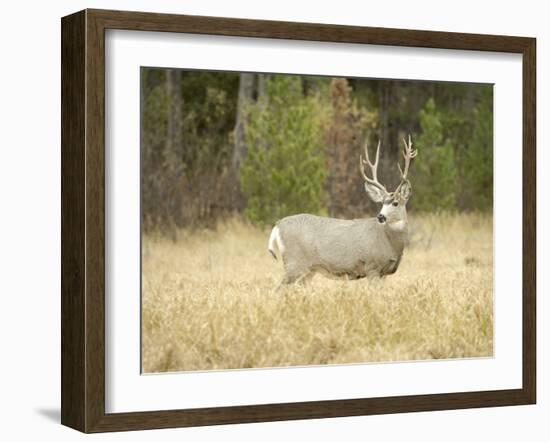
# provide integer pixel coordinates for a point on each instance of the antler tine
(373, 167)
(408, 154)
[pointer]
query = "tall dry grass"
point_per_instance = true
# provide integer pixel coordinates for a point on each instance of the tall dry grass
(208, 302)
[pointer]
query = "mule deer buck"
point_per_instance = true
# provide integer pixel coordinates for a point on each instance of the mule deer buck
(348, 249)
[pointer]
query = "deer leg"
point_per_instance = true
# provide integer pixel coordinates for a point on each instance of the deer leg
(286, 281)
(295, 277)
(305, 279)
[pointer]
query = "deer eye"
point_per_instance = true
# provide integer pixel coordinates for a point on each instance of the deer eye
(395, 204)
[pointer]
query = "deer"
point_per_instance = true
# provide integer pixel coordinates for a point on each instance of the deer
(348, 249)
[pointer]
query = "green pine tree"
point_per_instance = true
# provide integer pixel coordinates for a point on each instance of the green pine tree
(283, 172)
(478, 161)
(435, 173)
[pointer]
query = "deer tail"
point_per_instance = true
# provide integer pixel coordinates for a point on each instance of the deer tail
(274, 241)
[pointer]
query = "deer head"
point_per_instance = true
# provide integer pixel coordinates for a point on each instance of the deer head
(393, 210)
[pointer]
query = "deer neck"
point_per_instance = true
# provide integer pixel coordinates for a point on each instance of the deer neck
(397, 233)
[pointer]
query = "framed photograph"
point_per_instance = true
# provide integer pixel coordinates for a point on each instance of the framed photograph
(269, 221)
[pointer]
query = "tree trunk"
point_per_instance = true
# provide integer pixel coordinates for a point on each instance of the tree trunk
(384, 93)
(174, 134)
(262, 78)
(173, 151)
(246, 94)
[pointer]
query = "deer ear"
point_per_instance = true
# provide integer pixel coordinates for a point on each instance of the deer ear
(376, 194)
(405, 191)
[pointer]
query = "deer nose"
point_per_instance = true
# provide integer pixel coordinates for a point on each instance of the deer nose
(381, 218)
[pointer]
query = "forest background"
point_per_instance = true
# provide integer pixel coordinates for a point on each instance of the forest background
(263, 146)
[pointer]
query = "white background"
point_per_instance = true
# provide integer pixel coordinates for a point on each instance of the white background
(30, 221)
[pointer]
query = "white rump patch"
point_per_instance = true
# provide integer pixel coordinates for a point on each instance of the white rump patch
(275, 240)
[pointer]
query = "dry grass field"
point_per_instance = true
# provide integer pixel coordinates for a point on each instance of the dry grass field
(208, 302)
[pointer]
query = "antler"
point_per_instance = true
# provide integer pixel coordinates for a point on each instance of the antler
(408, 153)
(373, 167)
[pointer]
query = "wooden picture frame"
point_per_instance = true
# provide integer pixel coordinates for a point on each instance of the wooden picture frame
(83, 220)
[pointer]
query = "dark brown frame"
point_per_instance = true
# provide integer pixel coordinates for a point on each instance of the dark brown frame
(83, 216)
